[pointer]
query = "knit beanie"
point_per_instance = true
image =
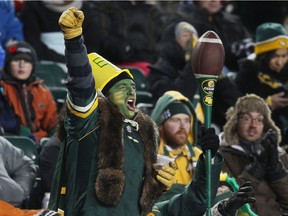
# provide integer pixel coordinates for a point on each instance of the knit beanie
(270, 36)
(182, 27)
(17, 50)
(245, 104)
(172, 109)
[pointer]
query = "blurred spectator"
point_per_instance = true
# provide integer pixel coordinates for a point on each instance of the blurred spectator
(41, 30)
(254, 13)
(29, 107)
(251, 153)
(132, 30)
(173, 71)
(266, 72)
(207, 15)
(10, 26)
(17, 174)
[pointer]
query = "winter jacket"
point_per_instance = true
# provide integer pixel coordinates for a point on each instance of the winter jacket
(132, 31)
(9, 210)
(101, 146)
(171, 71)
(33, 104)
(271, 194)
(17, 174)
(10, 25)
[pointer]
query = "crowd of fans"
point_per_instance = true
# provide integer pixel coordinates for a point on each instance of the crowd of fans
(157, 38)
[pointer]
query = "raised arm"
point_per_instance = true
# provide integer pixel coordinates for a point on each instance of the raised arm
(80, 82)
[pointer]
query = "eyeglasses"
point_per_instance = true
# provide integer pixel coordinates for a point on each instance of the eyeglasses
(248, 119)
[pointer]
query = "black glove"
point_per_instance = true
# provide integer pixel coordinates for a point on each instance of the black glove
(275, 169)
(242, 196)
(209, 141)
(257, 168)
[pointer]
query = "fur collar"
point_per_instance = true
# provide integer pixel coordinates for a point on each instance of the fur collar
(110, 180)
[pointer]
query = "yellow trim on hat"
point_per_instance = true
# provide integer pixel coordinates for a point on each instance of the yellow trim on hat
(177, 95)
(272, 44)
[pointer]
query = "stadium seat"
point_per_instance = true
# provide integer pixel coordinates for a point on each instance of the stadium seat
(52, 74)
(28, 146)
(59, 94)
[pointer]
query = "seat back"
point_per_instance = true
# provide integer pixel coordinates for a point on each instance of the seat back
(59, 94)
(43, 142)
(26, 144)
(51, 73)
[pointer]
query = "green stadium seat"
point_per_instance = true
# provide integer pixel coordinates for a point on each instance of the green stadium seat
(59, 94)
(51, 73)
(43, 141)
(28, 146)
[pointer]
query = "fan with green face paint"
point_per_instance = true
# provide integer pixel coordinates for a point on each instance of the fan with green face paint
(123, 95)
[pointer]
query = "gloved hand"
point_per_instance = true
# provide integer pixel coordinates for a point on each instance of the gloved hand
(70, 22)
(244, 195)
(270, 141)
(209, 141)
(275, 169)
(167, 174)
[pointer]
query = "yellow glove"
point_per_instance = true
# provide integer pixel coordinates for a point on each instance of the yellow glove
(167, 174)
(70, 22)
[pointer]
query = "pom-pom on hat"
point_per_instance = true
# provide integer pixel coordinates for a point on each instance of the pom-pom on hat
(105, 73)
(270, 36)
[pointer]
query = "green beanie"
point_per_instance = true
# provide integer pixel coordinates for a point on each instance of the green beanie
(270, 36)
(172, 109)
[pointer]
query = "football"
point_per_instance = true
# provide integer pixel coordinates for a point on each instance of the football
(208, 55)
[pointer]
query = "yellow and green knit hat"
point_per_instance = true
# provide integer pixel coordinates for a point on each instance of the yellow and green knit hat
(270, 36)
(105, 73)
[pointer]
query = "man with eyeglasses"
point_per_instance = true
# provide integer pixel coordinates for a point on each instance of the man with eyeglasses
(250, 147)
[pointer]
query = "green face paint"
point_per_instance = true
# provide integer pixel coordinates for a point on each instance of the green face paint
(123, 95)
